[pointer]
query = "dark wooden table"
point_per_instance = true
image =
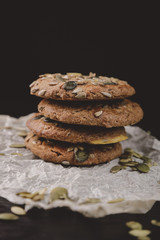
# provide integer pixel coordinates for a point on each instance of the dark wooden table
(63, 224)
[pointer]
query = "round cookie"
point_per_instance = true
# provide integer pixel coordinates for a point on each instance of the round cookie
(72, 154)
(78, 87)
(111, 114)
(51, 129)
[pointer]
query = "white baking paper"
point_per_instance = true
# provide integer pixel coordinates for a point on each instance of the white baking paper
(28, 173)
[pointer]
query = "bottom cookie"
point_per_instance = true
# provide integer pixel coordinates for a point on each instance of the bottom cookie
(72, 154)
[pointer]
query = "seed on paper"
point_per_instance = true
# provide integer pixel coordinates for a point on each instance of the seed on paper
(18, 210)
(8, 216)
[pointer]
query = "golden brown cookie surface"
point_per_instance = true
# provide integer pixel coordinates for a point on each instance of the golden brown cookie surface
(110, 114)
(72, 154)
(50, 129)
(78, 87)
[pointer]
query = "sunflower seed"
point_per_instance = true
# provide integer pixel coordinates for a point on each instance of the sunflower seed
(97, 114)
(38, 197)
(81, 95)
(134, 225)
(32, 84)
(52, 83)
(58, 193)
(81, 155)
(59, 78)
(33, 90)
(155, 222)
(41, 92)
(115, 169)
(141, 167)
(66, 163)
(116, 200)
(17, 145)
(139, 232)
(106, 94)
(74, 74)
(18, 210)
(70, 149)
(8, 216)
(91, 200)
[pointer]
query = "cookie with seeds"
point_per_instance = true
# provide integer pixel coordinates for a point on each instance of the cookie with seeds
(78, 87)
(106, 114)
(72, 154)
(51, 129)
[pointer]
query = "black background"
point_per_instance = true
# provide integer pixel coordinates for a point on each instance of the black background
(121, 40)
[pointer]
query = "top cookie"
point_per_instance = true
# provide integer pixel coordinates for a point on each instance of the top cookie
(78, 87)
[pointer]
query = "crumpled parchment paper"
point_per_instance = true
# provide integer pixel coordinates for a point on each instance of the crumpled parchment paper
(28, 173)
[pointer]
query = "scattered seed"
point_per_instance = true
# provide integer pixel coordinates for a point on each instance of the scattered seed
(18, 210)
(59, 78)
(18, 154)
(131, 164)
(17, 145)
(139, 232)
(155, 164)
(97, 114)
(41, 92)
(91, 200)
(145, 158)
(116, 200)
(106, 94)
(142, 167)
(58, 193)
(22, 133)
(115, 169)
(2, 154)
(128, 150)
(8, 216)
(125, 160)
(133, 168)
(70, 85)
(155, 222)
(134, 225)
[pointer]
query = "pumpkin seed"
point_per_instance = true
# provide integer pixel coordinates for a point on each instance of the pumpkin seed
(58, 193)
(139, 232)
(128, 150)
(144, 158)
(18, 154)
(97, 114)
(41, 92)
(158, 182)
(81, 155)
(155, 222)
(134, 168)
(126, 155)
(70, 85)
(116, 200)
(91, 200)
(109, 83)
(115, 169)
(17, 145)
(155, 164)
(74, 74)
(2, 154)
(37, 117)
(134, 225)
(137, 155)
(125, 160)
(142, 167)
(22, 133)
(8, 216)
(131, 164)
(18, 210)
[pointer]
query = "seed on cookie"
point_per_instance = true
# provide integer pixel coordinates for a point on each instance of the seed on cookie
(65, 163)
(33, 90)
(81, 155)
(70, 85)
(106, 94)
(52, 83)
(41, 92)
(97, 114)
(81, 95)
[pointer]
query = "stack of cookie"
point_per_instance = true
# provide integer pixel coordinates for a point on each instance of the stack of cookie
(81, 118)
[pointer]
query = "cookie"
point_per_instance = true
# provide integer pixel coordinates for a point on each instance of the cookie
(72, 154)
(51, 129)
(75, 86)
(106, 114)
